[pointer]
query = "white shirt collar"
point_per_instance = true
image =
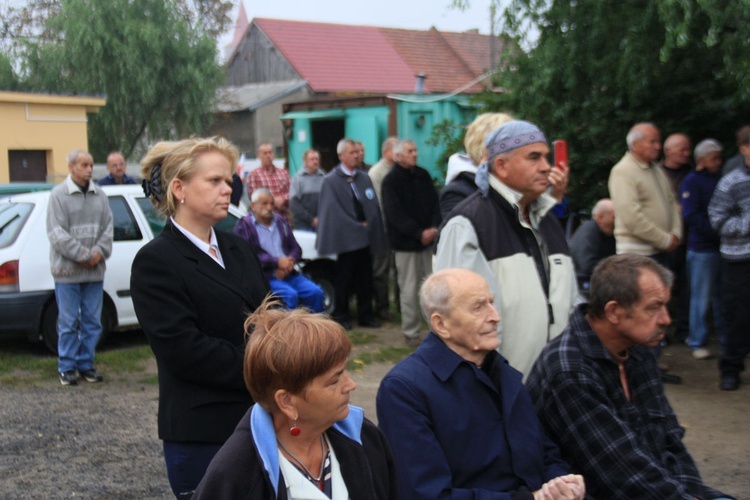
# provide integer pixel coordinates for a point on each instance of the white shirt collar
(202, 245)
(73, 187)
(537, 208)
(347, 171)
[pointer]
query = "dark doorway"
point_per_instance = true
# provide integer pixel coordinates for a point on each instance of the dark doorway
(325, 135)
(27, 166)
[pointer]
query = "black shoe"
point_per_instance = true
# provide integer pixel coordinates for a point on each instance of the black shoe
(729, 381)
(68, 378)
(91, 376)
(370, 323)
(668, 378)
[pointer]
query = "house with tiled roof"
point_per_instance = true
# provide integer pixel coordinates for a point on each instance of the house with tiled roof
(357, 81)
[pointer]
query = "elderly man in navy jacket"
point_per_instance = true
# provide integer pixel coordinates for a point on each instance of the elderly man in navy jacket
(273, 241)
(456, 415)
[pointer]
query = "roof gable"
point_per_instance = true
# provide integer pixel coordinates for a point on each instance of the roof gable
(340, 58)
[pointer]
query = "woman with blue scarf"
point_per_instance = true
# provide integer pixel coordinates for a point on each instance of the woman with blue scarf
(302, 439)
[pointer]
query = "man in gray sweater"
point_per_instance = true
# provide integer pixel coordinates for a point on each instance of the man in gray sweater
(79, 228)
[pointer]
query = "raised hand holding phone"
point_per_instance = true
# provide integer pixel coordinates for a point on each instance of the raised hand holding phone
(559, 175)
(561, 153)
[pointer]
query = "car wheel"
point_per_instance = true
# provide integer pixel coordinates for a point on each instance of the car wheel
(322, 275)
(49, 326)
(49, 323)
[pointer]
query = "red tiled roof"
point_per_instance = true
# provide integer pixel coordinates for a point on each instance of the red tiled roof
(340, 58)
(474, 49)
(431, 53)
(367, 59)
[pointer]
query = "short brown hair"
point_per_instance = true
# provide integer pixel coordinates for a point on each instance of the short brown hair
(287, 349)
(177, 161)
(616, 279)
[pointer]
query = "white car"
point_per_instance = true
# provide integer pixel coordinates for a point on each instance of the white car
(27, 290)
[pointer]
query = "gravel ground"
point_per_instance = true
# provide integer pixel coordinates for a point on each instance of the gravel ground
(99, 440)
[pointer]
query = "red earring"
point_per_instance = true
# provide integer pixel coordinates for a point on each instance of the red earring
(294, 430)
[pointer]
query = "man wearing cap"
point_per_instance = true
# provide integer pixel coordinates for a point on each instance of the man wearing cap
(506, 233)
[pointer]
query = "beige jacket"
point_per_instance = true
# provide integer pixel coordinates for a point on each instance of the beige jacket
(646, 213)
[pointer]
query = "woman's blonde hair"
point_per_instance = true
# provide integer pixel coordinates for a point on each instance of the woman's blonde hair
(170, 160)
(478, 130)
(287, 349)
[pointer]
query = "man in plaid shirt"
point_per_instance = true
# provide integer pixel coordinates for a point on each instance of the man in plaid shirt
(597, 391)
(274, 179)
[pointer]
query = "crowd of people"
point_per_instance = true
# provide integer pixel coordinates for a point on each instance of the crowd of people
(553, 346)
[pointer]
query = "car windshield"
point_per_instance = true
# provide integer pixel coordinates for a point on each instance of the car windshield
(12, 218)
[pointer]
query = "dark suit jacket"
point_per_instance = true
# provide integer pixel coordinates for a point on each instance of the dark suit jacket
(192, 312)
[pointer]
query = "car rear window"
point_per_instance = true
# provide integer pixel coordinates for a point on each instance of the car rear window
(12, 218)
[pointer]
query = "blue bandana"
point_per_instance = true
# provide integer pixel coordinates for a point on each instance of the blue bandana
(510, 136)
(506, 137)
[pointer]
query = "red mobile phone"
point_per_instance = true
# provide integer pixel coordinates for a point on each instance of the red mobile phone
(561, 152)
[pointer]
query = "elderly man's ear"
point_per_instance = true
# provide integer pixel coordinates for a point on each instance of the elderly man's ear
(439, 326)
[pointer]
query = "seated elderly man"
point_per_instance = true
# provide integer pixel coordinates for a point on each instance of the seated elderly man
(597, 390)
(273, 241)
(455, 413)
(593, 241)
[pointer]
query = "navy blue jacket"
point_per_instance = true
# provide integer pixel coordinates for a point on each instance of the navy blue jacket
(695, 195)
(460, 431)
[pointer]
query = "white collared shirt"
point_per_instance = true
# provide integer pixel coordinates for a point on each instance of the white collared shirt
(298, 487)
(202, 245)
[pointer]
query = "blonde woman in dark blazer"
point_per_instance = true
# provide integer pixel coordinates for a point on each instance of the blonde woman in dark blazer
(192, 288)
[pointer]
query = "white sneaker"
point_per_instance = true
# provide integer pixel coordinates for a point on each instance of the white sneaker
(701, 353)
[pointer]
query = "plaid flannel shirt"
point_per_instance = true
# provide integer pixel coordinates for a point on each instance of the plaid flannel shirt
(276, 180)
(624, 449)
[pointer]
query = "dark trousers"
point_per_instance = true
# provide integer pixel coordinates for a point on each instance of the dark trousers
(735, 300)
(381, 270)
(186, 464)
(681, 289)
(354, 271)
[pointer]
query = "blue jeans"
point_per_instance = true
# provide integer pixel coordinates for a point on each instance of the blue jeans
(297, 288)
(704, 269)
(79, 324)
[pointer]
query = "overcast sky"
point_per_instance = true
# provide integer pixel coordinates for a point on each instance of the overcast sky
(414, 14)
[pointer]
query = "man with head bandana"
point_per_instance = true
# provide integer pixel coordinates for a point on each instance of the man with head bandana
(506, 233)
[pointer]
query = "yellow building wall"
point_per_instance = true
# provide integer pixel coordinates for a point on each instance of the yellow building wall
(55, 124)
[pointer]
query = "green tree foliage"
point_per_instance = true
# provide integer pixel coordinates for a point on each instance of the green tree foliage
(596, 68)
(158, 71)
(8, 78)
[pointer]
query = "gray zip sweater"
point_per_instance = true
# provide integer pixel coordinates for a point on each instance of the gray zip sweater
(78, 225)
